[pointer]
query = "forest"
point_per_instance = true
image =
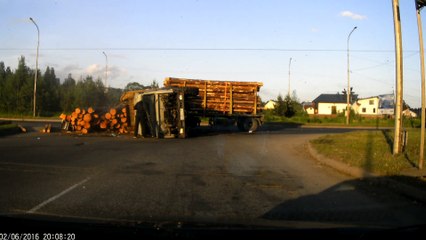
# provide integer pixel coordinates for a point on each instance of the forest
(53, 95)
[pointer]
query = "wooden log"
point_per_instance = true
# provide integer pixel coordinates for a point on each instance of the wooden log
(63, 116)
(87, 117)
(77, 110)
(113, 111)
(84, 131)
(90, 110)
(103, 124)
(108, 115)
(74, 115)
(123, 119)
(86, 125)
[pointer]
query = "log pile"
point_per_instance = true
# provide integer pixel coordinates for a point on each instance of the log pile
(88, 120)
(226, 97)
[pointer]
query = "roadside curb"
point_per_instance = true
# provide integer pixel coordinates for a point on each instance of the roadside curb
(31, 120)
(403, 188)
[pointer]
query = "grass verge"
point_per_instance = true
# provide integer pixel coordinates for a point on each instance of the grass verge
(370, 150)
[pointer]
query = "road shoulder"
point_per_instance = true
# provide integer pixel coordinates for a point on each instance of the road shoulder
(413, 192)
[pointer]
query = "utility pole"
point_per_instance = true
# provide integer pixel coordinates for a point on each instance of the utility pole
(289, 90)
(419, 6)
(106, 71)
(348, 91)
(397, 147)
(36, 71)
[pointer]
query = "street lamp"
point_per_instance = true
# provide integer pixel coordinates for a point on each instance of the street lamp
(348, 91)
(106, 71)
(289, 65)
(36, 72)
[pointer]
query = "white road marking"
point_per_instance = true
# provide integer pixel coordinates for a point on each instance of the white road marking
(34, 209)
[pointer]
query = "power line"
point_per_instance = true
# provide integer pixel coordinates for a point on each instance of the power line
(208, 49)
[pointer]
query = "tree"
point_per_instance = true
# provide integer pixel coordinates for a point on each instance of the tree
(67, 94)
(49, 92)
(132, 86)
(20, 88)
(289, 106)
(280, 107)
(154, 84)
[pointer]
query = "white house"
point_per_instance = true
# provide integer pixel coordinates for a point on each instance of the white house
(309, 107)
(408, 113)
(327, 104)
(367, 106)
(270, 104)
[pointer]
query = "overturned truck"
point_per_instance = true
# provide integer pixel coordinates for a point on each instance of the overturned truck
(179, 106)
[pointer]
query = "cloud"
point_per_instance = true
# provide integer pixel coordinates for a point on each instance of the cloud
(94, 69)
(314, 30)
(352, 15)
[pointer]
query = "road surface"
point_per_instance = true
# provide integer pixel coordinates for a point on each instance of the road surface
(217, 176)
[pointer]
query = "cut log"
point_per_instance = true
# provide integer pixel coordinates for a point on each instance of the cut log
(113, 111)
(87, 117)
(63, 116)
(108, 115)
(103, 124)
(77, 110)
(84, 131)
(90, 110)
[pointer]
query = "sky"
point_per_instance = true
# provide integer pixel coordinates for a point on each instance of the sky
(236, 40)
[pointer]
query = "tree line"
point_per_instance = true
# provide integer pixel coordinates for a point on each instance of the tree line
(17, 91)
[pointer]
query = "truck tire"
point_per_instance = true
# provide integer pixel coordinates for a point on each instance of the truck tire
(248, 124)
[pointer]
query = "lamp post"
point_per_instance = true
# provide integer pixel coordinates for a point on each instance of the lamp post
(106, 71)
(36, 71)
(289, 90)
(348, 91)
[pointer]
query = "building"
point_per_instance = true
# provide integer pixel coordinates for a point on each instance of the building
(387, 104)
(309, 107)
(408, 113)
(270, 105)
(367, 106)
(331, 104)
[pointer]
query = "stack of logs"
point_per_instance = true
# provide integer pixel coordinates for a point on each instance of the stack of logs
(221, 96)
(88, 120)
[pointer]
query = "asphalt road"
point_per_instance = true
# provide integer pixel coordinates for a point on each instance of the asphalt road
(216, 176)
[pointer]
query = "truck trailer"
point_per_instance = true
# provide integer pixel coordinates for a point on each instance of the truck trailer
(182, 103)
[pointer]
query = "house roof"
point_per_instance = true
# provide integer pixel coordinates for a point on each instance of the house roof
(334, 98)
(368, 98)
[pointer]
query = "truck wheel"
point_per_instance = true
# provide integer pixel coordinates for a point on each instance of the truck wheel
(250, 124)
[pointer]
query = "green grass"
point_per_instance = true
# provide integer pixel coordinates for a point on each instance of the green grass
(339, 120)
(370, 150)
(8, 129)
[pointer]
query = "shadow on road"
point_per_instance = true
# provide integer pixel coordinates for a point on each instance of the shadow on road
(266, 128)
(351, 202)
